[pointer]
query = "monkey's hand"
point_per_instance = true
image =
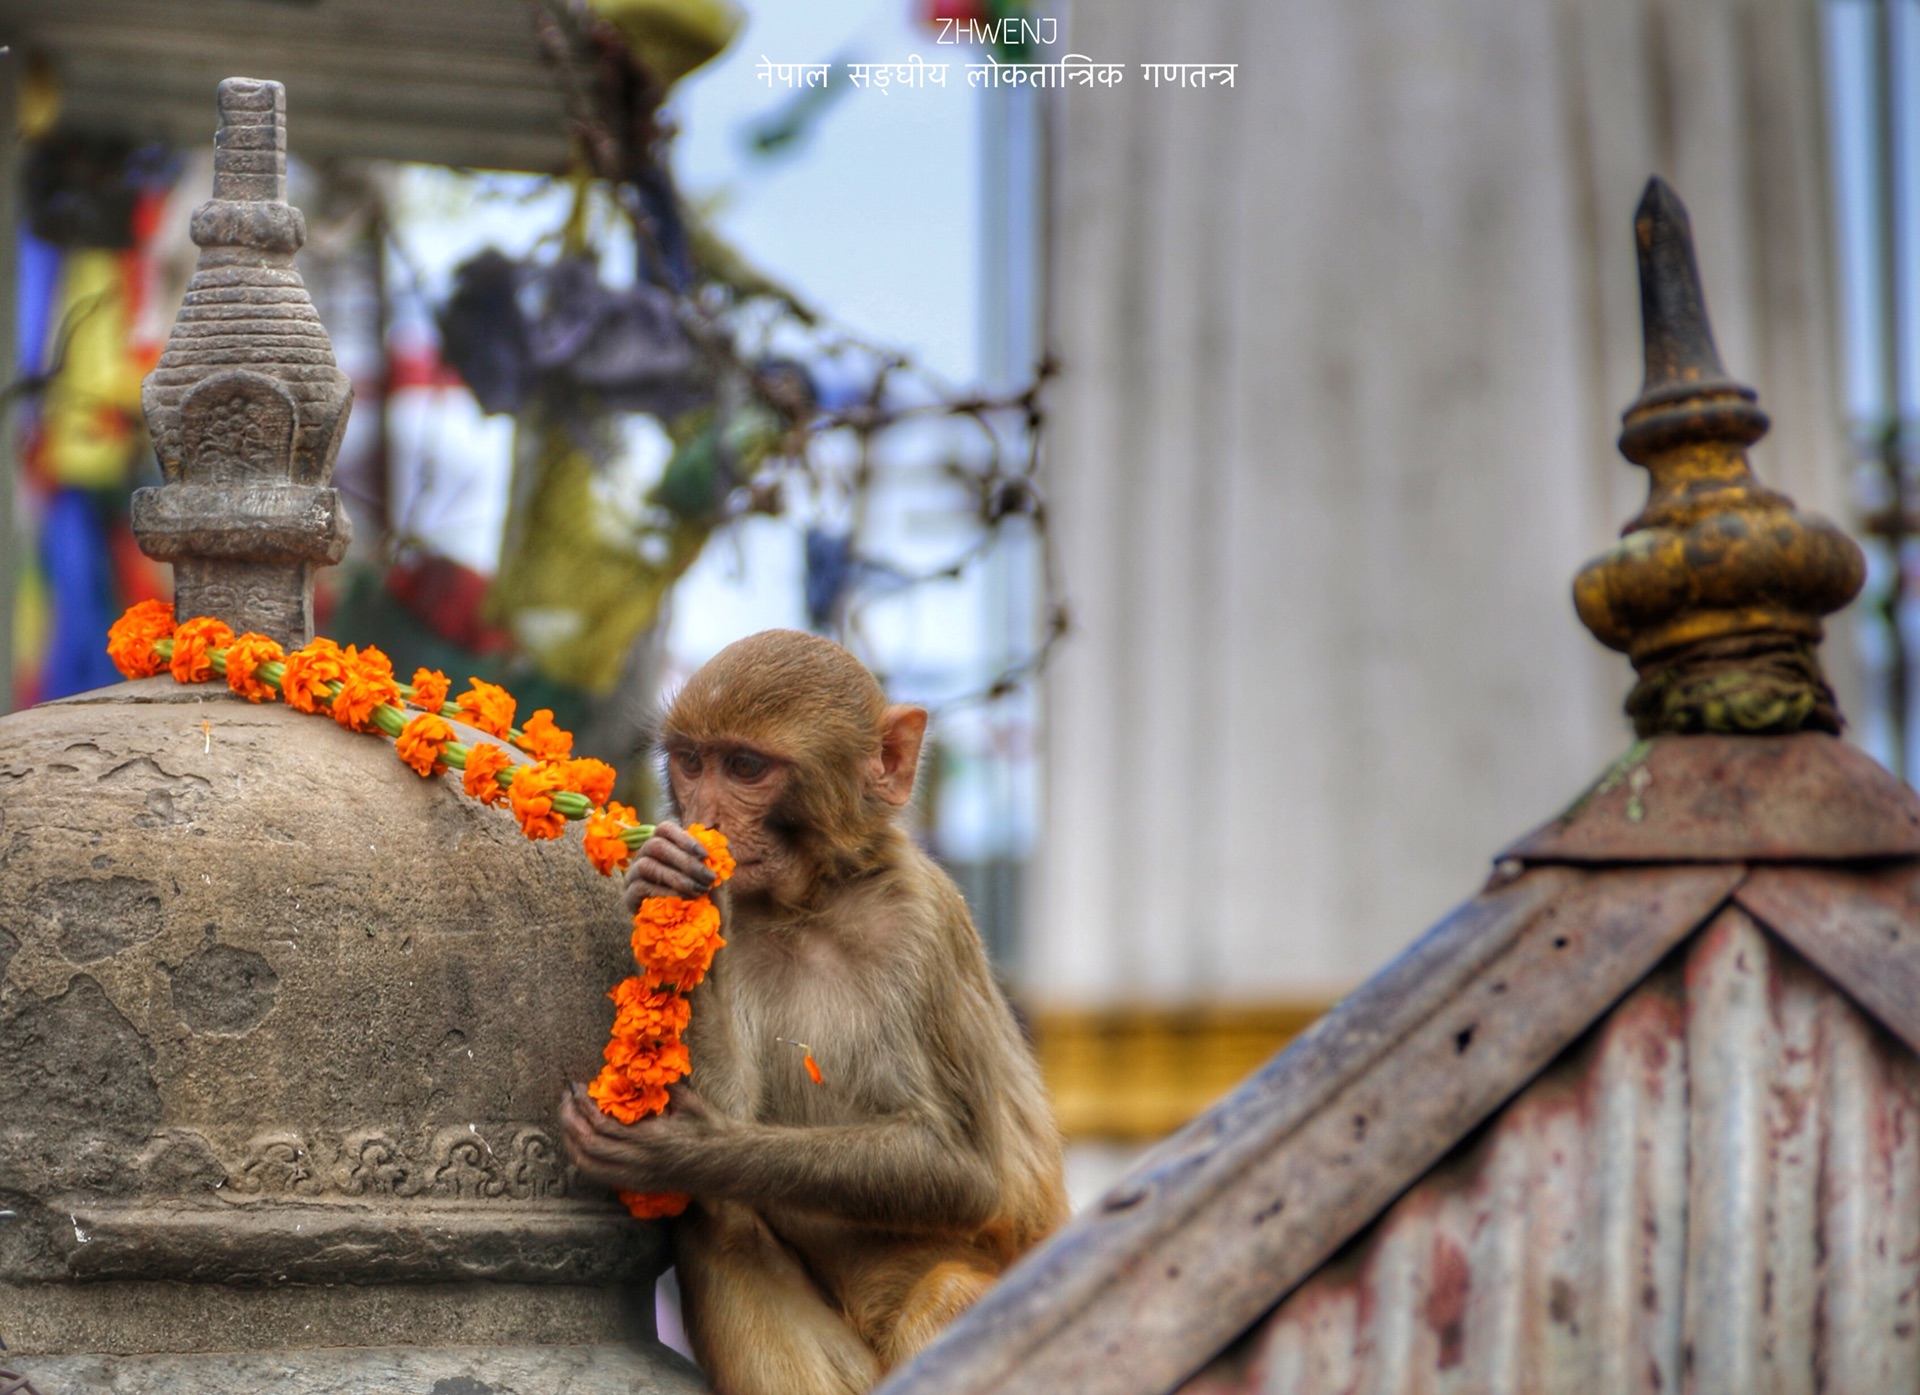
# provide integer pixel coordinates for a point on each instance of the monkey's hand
(652, 1155)
(671, 863)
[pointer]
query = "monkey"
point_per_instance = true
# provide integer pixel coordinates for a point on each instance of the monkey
(836, 1226)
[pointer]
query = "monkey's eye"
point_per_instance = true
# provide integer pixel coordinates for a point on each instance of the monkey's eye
(687, 761)
(745, 765)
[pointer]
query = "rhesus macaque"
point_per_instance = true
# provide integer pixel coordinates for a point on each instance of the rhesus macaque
(836, 1226)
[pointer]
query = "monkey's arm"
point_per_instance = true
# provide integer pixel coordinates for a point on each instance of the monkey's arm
(896, 1171)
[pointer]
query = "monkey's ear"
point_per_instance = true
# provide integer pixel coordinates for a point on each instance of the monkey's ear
(901, 731)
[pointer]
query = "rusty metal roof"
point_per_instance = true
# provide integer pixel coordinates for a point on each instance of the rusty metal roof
(1719, 1190)
(1245, 1206)
(458, 82)
(1645, 1113)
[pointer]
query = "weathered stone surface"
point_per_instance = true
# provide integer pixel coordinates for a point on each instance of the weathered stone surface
(223, 989)
(77, 1079)
(576, 1370)
(275, 1012)
(94, 917)
(135, 1317)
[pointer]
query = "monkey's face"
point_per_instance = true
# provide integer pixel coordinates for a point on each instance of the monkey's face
(738, 789)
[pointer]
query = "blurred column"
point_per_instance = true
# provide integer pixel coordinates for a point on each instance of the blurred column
(993, 745)
(1345, 347)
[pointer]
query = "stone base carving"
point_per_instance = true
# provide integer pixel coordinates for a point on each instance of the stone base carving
(268, 598)
(645, 1368)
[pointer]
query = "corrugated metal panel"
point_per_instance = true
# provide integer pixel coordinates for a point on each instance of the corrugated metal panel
(461, 82)
(1717, 1190)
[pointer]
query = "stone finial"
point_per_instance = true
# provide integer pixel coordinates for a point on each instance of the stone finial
(246, 406)
(1717, 589)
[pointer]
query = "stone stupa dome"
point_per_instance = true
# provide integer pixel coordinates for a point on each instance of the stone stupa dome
(283, 1026)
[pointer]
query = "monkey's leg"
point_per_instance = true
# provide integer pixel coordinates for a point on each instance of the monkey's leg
(901, 1296)
(758, 1323)
(940, 1295)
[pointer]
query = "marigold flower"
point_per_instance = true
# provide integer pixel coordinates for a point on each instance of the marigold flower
(645, 1011)
(718, 858)
(605, 848)
(312, 669)
(531, 798)
(421, 741)
(244, 657)
(591, 778)
(130, 642)
(430, 689)
(542, 740)
(619, 1098)
(193, 646)
(484, 762)
(372, 659)
(488, 707)
(649, 1063)
(676, 939)
(365, 683)
(651, 1206)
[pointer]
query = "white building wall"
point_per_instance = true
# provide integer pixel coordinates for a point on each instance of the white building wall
(1345, 347)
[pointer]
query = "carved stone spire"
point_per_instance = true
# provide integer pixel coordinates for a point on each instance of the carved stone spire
(1716, 591)
(246, 406)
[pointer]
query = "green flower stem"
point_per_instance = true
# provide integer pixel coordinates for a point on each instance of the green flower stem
(634, 837)
(445, 709)
(393, 720)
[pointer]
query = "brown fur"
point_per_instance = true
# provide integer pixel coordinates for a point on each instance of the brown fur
(836, 1227)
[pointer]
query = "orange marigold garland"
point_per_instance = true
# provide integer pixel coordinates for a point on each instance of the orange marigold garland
(606, 849)
(422, 742)
(130, 643)
(642, 1011)
(488, 707)
(366, 683)
(530, 796)
(674, 941)
(430, 688)
(193, 646)
(592, 780)
(311, 672)
(542, 740)
(484, 764)
(718, 858)
(246, 656)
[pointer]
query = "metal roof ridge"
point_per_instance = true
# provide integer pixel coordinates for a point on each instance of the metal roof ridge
(1807, 797)
(1299, 1159)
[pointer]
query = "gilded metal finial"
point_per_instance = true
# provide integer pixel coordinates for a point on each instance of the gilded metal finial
(1716, 590)
(246, 406)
